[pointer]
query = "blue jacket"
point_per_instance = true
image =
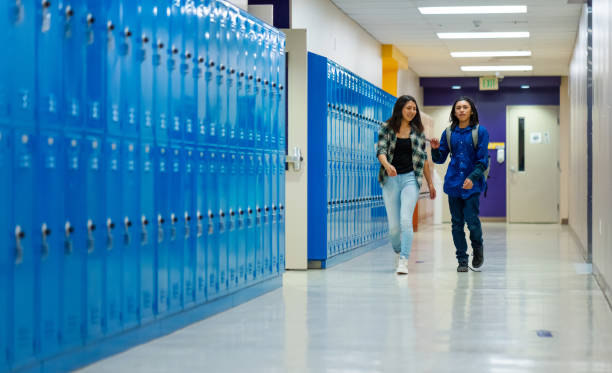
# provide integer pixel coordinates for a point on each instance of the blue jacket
(466, 162)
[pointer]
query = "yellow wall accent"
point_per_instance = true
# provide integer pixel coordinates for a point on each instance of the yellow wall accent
(392, 60)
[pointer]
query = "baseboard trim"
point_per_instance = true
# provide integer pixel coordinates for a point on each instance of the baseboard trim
(346, 256)
(500, 219)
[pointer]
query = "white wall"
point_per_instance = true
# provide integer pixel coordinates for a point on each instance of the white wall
(440, 115)
(602, 138)
(244, 4)
(334, 35)
(408, 84)
(577, 208)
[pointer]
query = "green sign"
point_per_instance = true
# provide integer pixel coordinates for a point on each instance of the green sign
(488, 83)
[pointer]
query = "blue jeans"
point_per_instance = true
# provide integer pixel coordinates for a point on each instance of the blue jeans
(462, 211)
(400, 194)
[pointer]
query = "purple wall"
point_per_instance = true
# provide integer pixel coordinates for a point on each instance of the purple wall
(491, 107)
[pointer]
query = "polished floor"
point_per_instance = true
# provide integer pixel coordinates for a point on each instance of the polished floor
(535, 307)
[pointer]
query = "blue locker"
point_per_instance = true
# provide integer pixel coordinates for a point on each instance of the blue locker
(221, 39)
(212, 230)
(160, 74)
(49, 66)
(4, 86)
(145, 53)
(74, 236)
(232, 44)
(127, 233)
(231, 186)
(130, 68)
(112, 228)
(273, 89)
(95, 66)
(112, 82)
(162, 220)
(147, 189)
(266, 92)
(200, 233)
(189, 226)
(282, 95)
(176, 238)
(6, 253)
(212, 112)
(23, 289)
(202, 72)
(241, 81)
(21, 61)
(281, 210)
(241, 179)
(273, 176)
(48, 231)
(96, 237)
(259, 86)
(174, 71)
(251, 217)
(189, 75)
(250, 119)
(75, 37)
(223, 195)
(260, 248)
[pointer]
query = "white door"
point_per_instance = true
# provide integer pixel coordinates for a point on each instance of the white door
(532, 165)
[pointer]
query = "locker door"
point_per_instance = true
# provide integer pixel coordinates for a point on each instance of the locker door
(242, 182)
(127, 233)
(223, 211)
(212, 112)
(74, 236)
(24, 255)
(259, 86)
(175, 249)
(189, 226)
(113, 44)
(146, 222)
(251, 204)
(189, 76)
(6, 236)
(96, 237)
(212, 210)
(145, 53)
(160, 74)
(266, 218)
(221, 39)
(266, 96)
(282, 83)
(128, 45)
(232, 43)
(260, 249)
(273, 89)
(231, 183)
(73, 59)
(251, 87)
(281, 210)
(48, 237)
(174, 71)
(241, 81)
(162, 222)
(112, 227)
(4, 85)
(274, 211)
(21, 60)
(49, 64)
(98, 35)
(200, 207)
(202, 72)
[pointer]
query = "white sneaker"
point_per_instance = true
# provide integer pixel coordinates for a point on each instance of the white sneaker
(402, 267)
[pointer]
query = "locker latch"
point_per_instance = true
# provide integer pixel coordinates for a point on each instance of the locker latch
(144, 234)
(160, 230)
(187, 226)
(45, 232)
(91, 227)
(19, 236)
(295, 159)
(200, 226)
(109, 234)
(173, 220)
(68, 230)
(126, 235)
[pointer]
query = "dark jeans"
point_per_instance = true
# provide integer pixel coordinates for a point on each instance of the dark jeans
(465, 211)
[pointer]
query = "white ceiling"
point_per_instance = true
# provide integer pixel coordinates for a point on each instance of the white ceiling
(553, 25)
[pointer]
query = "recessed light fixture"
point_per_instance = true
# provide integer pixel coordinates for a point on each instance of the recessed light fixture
(497, 68)
(525, 86)
(456, 87)
(473, 9)
(482, 35)
(491, 54)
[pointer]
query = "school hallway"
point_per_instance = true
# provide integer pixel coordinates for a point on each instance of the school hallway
(535, 307)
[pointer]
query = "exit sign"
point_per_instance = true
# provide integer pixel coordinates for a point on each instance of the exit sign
(488, 83)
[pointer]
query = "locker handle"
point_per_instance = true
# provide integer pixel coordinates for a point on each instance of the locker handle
(266, 82)
(110, 26)
(69, 229)
(110, 224)
(173, 218)
(211, 215)
(241, 212)
(145, 39)
(127, 222)
(45, 230)
(200, 59)
(221, 67)
(200, 216)
(144, 221)
(232, 213)
(222, 214)
(160, 45)
(187, 217)
(232, 71)
(250, 211)
(282, 207)
(160, 220)
(259, 209)
(20, 234)
(241, 74)
(188, 55)
(258, 80)
(70, 12)
(267, 208)
(274, 85)
(46, 4)
(273, 208)
(91, 226)
(250, 77)
(127, 32)
(281, 87)
(211, 64)
(174, 50)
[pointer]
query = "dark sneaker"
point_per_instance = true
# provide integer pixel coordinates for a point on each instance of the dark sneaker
(463, 267)
(478, 258)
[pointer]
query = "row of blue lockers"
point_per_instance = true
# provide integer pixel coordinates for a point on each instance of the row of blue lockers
(102, 235)
(201, 72)
(344, 114)
(351, 95)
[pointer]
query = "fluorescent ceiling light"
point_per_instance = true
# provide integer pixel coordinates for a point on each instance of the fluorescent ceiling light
(497, 68)
(473, 9)
(525, 86)
(491, 54)
(482, 35)
(456, 87)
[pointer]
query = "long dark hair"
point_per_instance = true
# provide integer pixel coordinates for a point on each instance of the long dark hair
(473, 117)
(396, 118)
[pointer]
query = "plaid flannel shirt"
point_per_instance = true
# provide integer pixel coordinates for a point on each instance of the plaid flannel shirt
(386, 146)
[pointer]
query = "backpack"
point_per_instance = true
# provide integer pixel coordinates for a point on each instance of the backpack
(485, 174)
